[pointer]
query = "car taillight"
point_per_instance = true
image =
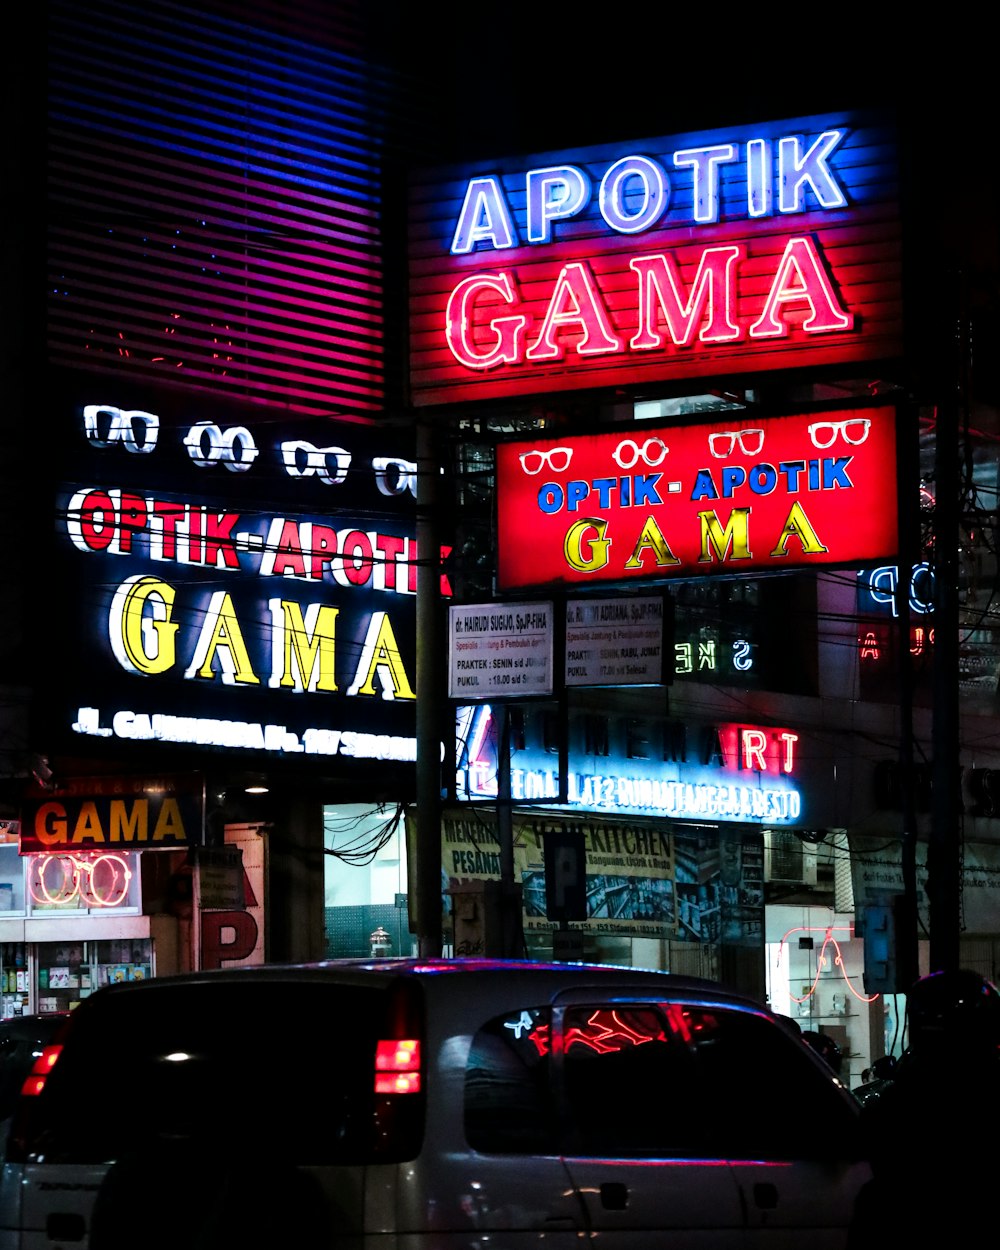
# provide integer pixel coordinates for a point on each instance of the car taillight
(397, 1067)
(34, 1082)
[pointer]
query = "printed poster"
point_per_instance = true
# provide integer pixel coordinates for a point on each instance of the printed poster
(643, 878)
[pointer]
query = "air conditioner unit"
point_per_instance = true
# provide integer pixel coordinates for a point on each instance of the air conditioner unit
(788, 859)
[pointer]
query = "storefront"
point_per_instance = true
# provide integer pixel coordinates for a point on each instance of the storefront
(72, 922)
(89, 886)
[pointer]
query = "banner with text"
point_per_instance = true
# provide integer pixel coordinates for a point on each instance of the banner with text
(643, 878)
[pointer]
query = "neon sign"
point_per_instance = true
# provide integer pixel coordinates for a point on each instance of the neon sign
(249, 584)
(744, 774)
(66, 880)
(700, 254)
(812, 490)
(830, 956)
(104, 813)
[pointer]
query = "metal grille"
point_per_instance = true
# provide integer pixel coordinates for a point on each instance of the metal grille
(214, 200)
(786, 856)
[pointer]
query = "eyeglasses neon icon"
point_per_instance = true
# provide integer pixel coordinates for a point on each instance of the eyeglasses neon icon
(854, 431)
(722, 443)
(557, 458)
(653, 451)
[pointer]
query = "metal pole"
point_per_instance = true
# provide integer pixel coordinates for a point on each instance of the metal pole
(907, 962)
(430, 685)
(944, 848)
(510, 897)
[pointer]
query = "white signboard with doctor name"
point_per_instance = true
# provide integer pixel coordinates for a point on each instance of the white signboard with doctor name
(499, 650)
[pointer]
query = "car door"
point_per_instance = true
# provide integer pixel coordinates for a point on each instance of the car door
(632, 1127)
(788, 1128)
(489, 1172)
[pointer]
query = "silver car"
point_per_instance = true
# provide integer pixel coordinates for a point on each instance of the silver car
(406, 1104)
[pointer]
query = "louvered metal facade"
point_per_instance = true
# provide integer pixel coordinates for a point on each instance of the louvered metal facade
(215, 200)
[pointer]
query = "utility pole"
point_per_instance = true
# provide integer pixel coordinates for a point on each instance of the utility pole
(906, 909)
(426, 861)
(944, 886)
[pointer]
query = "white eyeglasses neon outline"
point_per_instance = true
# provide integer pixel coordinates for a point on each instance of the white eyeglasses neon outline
(751, 442)
(619, 455)
(539, 459)
(854, 429)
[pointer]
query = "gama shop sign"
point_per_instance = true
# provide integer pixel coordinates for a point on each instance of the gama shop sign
(231, 578)
(114, 814)
(755, 248)
(763, 494)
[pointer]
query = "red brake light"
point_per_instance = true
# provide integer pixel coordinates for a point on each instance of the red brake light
(35, 1081)
(397, 1067)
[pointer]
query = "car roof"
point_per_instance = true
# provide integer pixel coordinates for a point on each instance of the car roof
(546, 977)
(33, 1026)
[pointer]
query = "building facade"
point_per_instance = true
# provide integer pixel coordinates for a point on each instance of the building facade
(653, 473)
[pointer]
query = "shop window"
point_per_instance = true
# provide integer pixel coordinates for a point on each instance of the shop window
(11, 878)
(83, 881)
(68, 972)
(14, 980)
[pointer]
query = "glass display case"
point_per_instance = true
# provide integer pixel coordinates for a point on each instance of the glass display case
(15, 985)
(68, 971)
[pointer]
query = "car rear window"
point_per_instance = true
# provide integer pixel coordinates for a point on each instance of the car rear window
(291, 1065)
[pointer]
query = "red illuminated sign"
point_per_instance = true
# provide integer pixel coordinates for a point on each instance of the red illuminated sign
(758, 247)
(757, 748)
(754, 494)
(113, 814)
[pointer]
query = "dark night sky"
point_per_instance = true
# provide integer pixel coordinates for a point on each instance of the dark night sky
(526, 76)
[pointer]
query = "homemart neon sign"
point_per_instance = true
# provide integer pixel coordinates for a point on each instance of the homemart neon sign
(742, 252)
(659, 796)
(728, 771)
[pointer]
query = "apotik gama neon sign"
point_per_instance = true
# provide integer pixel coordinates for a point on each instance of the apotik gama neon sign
(758, 247)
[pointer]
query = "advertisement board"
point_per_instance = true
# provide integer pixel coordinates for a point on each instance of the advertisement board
(229, 576)
(499, 650)
(642, 879)
(754, 494)
(153, 813)
(741, 250)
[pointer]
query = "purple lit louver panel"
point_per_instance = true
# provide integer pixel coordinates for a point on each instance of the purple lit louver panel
(215, 210)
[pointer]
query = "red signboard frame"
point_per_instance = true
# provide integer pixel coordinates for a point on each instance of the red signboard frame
(742, 494)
